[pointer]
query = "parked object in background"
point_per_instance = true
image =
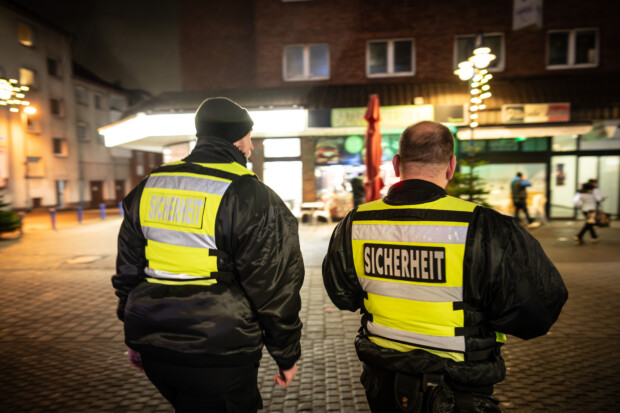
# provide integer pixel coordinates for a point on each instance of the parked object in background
(9, 220)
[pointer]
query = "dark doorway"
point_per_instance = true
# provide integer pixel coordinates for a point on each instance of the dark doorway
(96, 193)
(119, 188)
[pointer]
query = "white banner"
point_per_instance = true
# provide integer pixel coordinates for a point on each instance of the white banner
(527, 13)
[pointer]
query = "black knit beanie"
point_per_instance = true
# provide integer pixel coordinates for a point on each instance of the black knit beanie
(222, 118)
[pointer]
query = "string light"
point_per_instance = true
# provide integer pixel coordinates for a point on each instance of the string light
(12, 95)
(475, 70)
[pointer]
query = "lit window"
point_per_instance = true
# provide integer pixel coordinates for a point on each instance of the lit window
(60, 146)
(306, 62)
(390, 58)
(80, 96)
(27, 77)
(53, 67)
(282, 148)
(464, 48)
(572, 48)
(24, 35)
(82, 131)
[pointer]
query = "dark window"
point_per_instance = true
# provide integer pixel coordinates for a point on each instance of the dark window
(53, 67)
(56, 107)
(558, 48)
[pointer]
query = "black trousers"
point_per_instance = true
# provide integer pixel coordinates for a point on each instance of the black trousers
(521, 205)
(381, 395)
(206, 389)
(587, 227)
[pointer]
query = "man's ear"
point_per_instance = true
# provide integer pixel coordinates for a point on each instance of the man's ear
(451, 168)
(396, 165)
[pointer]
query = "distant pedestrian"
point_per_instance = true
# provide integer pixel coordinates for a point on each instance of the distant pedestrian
(439, 282)
(358, 190)
(587, 200)
(208, 271)
(518, 189)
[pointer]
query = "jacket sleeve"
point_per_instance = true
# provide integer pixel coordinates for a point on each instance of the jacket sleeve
(521, 291)
(130, 259)
(261, 234)
(339, 275)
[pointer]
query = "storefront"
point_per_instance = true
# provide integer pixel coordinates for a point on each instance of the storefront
(556, 157)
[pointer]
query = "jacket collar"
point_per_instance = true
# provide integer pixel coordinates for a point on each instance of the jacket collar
(413, 191)
(215, 150)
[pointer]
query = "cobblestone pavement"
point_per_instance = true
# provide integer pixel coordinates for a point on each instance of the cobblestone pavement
(61, 347)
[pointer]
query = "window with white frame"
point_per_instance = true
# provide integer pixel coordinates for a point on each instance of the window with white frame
(82, 131)
(572, 48)
(25, 34)
(464, 48)
(395, 57)
(306, 62)
(81, 96)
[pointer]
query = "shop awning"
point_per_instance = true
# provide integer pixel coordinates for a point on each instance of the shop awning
(527, 131)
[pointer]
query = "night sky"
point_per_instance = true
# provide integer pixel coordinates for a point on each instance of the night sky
(134, 42)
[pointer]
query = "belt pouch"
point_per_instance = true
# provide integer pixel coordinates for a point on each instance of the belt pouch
(407, 390)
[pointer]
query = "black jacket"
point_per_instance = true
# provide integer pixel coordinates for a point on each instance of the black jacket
(509, 284)
(226, 323)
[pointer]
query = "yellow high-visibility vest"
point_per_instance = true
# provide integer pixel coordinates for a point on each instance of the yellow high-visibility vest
(178, 209)
(409, 261)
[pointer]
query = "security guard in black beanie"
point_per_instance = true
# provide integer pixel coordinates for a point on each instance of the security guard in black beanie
(440, 282)
(208, 270)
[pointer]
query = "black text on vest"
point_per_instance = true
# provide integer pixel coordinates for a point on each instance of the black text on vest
(403, 262)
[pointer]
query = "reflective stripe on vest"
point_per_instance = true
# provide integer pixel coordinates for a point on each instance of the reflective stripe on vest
(409, 261)
(177, 214)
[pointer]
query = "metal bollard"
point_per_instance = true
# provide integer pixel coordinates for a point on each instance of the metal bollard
(53, 218)
(102, 211)
(80, 214)
(120, 209)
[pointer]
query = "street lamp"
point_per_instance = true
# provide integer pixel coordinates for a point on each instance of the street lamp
(13, 96)
(474, 70)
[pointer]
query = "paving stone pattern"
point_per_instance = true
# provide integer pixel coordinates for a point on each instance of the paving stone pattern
(61, 347)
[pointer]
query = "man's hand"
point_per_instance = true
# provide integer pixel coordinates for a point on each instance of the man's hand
(285, 377)
(135, 359)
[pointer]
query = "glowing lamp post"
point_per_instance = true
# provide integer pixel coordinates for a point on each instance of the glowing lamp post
(13, 96)
(475, 71)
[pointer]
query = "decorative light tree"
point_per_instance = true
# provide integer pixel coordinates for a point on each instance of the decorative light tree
(13, 96)
(474, 70)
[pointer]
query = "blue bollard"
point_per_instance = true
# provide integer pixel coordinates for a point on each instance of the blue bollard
(80, 214)
(102, 211)
(53, 218)
(120, 209)
(21, 223)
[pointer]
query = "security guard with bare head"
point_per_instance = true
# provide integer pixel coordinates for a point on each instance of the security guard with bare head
(440, 282)
(208, 271)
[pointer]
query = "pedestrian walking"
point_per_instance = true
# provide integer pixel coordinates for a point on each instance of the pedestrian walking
(358, 190)
(208, 270)
(587, 199)
(518, 188)
(440, 282)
